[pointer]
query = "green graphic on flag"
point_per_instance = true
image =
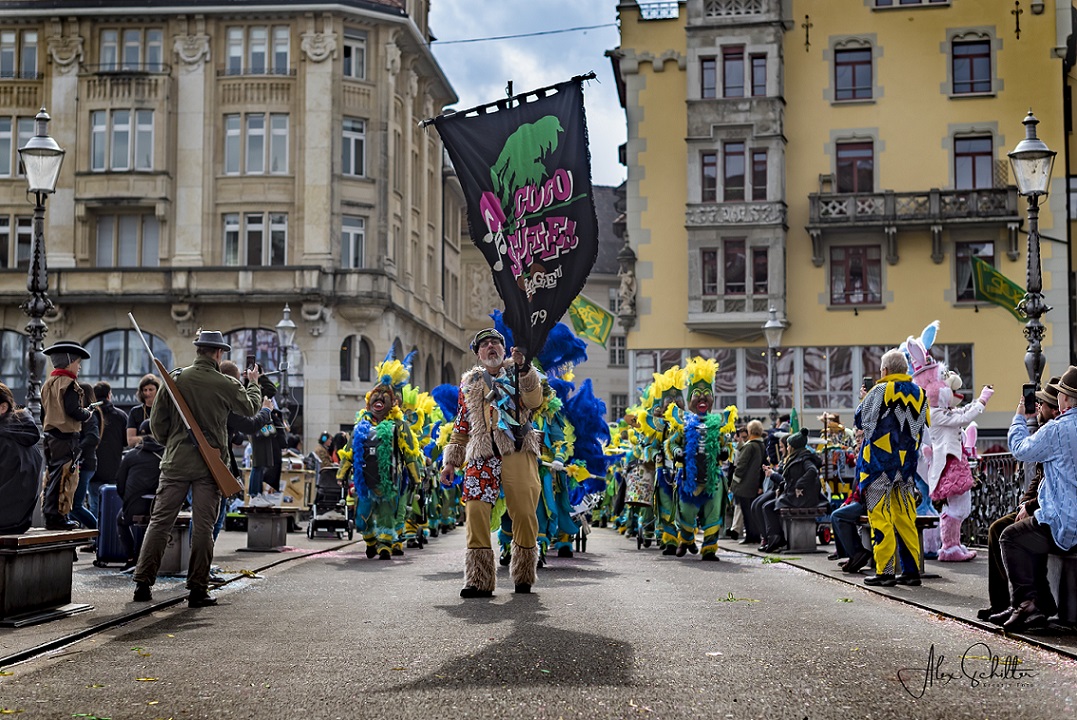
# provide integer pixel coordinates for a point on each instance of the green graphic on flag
(992, 286)
(590, 320)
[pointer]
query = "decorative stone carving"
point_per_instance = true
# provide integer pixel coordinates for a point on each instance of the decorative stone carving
(192, 50)
(411, 85)
(65, 51)
(626, 293)
(58, 321)
(319, 46)
(392, 58)
(482, 296)
(736, 214)
(315, 313)
(183, 314)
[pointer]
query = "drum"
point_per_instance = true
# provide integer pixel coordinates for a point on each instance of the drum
(639, 487)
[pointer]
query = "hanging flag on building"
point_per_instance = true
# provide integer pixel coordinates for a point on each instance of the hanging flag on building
(991, 286)
(590, 320)
(525, 169)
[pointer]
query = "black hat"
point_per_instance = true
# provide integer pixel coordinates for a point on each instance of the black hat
(483, 335)
(797, 440)
(69, 347)
(1049, 394)
(211, 339)
(267, 387)
(1067, 385)
(144, 429)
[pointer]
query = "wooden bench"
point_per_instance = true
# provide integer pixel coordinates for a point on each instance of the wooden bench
(267, 528)
(923, 522)
(35, 575)
(1062, 576)
(800, 526)
(178, 551)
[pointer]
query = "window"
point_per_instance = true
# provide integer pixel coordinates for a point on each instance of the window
(759, 75)
(119, 358)
(13, 348)
(613, 300)
(759, 174)
(709, 177)
(15, 249)
(131, 50)
(1072, 184)
(856, 167)
(828, 377)
(959, 359)
(117, 145)
(354, 55)
(855, 275)
(963, 254)
(971, 67)
(353, 161)
(974, 162)
(258, 50)
(18, 54)
(618, 351)
(248, 135)
(892, 3)
(733, 171)
(8, 151)
(708, 78)
(347, 358)
(618, 406)
(760, 272)
(128, 241)
(252, 244)
(733, 72)
(353, 240)
(852, 74)
(709, 271)
(734, 266)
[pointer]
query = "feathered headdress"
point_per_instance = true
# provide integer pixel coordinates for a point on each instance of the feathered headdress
(448, 399)
(701, 372)
(393, 373)
(587, 415)
(562, 350)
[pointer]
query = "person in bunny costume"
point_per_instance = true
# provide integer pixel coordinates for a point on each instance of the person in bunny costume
(949, 477)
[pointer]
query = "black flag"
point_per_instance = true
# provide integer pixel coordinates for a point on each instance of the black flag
(526, 174)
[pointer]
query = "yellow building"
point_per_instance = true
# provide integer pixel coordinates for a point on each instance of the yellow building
(840, 161)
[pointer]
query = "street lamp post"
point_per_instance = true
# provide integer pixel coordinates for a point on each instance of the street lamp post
(285, 338)
(41, 158)
(1031, 162)
(772, 330)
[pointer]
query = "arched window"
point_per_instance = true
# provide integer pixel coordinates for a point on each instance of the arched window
(430, 376)
(448, 374)
(365, 364)
(347, 354)
(261, 344)
(119, 358)
(354, 359)
(398, 349)
(13, 370)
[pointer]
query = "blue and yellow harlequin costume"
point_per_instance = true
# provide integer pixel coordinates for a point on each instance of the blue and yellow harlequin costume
(893, 416)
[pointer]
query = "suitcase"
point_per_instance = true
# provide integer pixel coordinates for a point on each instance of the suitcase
(109, 548)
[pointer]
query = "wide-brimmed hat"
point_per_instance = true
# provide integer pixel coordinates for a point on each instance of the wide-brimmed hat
(68, 346)
(1067, 384)
(1049, 394)
(483, 335)
(211, 339)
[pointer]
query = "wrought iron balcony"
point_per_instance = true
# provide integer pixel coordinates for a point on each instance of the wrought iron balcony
(890, 212)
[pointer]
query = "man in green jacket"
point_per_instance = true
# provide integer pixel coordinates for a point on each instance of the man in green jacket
(210, 396)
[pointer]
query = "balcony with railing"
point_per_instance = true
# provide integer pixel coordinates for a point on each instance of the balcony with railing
(890, 212)
(22, 94)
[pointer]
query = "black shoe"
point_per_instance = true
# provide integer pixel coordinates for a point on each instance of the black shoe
(987, 612)
(857, 561)
(694, 549)
(744, 541)
(142, 593)
(371, 551)
(412, 544)
(1026, 617)
(708, 557)
(777, 545)
(885, 580)
(470, 591)
(1000, 617)
(669, 550)
(564, 552)
(732, 534)
(911, 579)
(384, 554)
(523, 589)
(833, 556)
(59, 523)
(398, 552)
(200, 599)
(682, 550)
(506, 558)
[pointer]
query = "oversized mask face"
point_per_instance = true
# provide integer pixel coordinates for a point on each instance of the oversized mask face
(381, 401)
(701, 401)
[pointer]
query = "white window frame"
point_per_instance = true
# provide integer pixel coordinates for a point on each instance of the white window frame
(281, 44)
(355, 55)
(8, 151)
(108, 125)
(239, 230)
(353, 242)
(618, 351)
(278, 143)
(18, 54)
(258, 38)
(353, 151)
(113, 249)
(24, 130)
(234, 53)
(252, 155)
(143, 144)
(110, 50)
(231, 250)
(118, 127)
(233, 144)
(99, 140)
(257, 49)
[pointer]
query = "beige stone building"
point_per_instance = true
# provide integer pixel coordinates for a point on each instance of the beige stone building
(224, 160)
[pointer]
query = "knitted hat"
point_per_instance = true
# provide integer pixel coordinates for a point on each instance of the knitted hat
(797, 440)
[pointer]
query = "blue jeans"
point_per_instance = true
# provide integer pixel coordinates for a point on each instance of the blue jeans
(78, 503)
(254, 482)
(95, 496)
(219, 525)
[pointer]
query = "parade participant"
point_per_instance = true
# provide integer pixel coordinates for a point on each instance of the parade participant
(418, 408)
(148, 387)
(666, 391)
(448, 399)
(211, 396)
(495, 445)
(950, 479)
(62, 411)
(1052, 527)
(893, 415)
(701, 443)
(384, 457)
(21, 460)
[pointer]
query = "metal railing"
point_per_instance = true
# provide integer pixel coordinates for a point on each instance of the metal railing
(1000, 481)
(930, 206)
(668, 10)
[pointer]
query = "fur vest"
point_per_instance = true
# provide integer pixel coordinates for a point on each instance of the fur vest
(480, 439)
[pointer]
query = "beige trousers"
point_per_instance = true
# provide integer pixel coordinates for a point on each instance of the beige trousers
(520, 483)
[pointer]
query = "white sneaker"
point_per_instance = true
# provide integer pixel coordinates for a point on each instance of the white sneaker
(261, 500)
(274, 499)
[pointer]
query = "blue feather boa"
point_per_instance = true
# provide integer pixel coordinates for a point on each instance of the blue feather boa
(361, 432)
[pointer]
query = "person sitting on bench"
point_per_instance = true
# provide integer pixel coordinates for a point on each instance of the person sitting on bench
(21, 459)
(798, 486)
(136, 484)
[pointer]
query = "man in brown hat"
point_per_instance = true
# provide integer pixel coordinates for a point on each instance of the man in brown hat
(1052, 527)
(211, 396)
(62, 415)
(998, 584)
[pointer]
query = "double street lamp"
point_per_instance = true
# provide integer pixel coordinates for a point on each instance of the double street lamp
(1031, 162)
(285, 339)
(41, 158)
(772, 330)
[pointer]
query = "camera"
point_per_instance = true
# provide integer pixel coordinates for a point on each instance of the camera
(251, 364)
(867, 382)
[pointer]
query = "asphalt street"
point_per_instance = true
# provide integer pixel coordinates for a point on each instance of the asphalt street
(611, 633)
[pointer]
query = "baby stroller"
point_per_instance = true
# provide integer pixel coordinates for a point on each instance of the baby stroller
(331, 511)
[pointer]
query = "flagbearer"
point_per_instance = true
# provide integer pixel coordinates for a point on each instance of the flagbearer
(494, 457)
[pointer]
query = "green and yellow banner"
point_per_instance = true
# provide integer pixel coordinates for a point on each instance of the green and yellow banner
(590, 320)
(992, 286)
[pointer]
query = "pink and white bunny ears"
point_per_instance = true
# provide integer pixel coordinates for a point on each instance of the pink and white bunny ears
(916, 351)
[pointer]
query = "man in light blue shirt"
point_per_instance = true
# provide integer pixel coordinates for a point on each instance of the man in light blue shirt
(1053, 527)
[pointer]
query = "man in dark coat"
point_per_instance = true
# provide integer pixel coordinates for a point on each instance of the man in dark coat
(21, 460)
(136, 484)
(110, 448)
(748, 479)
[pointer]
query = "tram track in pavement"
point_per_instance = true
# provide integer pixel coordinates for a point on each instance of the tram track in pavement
(79, 635)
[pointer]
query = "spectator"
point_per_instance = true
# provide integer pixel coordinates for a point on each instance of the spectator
(238, 424)
(1052, 527)
(136, 484)
(110, 449)
(798, 486)
(89, 437)
(747, 482)
(265, 451)
(998, 584)
(736, 527)
(148, 387)
(771, 476)
(21, 460)
(893, 415)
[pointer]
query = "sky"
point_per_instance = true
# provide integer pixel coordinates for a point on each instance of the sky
(479, 71)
